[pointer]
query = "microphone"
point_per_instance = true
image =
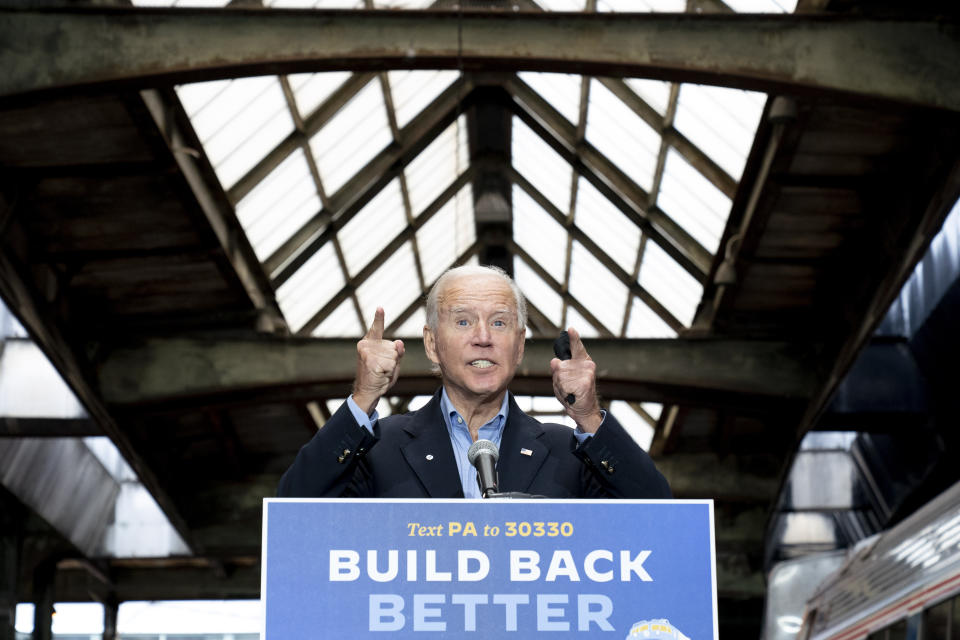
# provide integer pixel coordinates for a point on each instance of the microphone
(483, 455)
(561, 348)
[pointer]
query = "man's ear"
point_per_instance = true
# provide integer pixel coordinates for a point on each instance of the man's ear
(523, 342)
(430, 345)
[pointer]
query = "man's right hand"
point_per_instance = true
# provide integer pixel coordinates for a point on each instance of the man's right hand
(378, 365)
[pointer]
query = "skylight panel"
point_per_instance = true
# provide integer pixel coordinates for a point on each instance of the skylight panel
(606, 225)
(562, 90)
(394, 286)
(412, 326)
(310, 287)
(562, 5)
(536, 161)
(693, 202)
(622, 136)
(644, 323)
(414, 90)
(762, 6)
(598, 290)
(584, 327)
(655, 93)
(670, 283)
(342, 323)
(279, 205)
(721, 121)
(351, 138)
(403, 4)
(314, 4)
(537, 292)
(196, 96)
(653, 408)
(241, 124)
(539, 234)
(446, 235)
(372, 229)
(180, 3)
(311, 89)
(674, 6)
(632, 423)
(437, 166)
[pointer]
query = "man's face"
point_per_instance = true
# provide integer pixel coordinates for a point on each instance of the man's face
(478, 343)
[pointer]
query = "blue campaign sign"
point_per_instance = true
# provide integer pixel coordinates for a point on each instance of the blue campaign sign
(335, 568)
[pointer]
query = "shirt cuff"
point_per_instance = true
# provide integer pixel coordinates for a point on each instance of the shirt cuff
(361, 416)
(583, 436)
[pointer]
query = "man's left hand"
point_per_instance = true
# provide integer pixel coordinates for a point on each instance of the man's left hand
(577, 376)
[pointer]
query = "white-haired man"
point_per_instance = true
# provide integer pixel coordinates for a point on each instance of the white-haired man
(476, 324)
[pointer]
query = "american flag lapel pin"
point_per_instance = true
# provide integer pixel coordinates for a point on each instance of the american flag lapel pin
(526, 452)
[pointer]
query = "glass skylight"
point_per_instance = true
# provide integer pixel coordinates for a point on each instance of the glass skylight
(437, 166)
(562, 90)
(670, 283)
(655, 93)
(311, 89)
(237, 122)
(675, 6)
(279, 205)
(581, 324)
(414, 90)
(721, 121)
(351, 138)
(314, 4)
(385, 289)
(537, 292)
(310, 287)
(597, 289)
(538, 234)
(606, 225)
(562, 5)
(622, 136)
(412, 326)
(342, 322)
(446, 235)
(762, 6)
(693, 202)
(637, 427)
(645, 323)
(543, 167)
(372, 229)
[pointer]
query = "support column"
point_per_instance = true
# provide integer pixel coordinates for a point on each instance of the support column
(11, 544)
(43, 577)
(110, 608)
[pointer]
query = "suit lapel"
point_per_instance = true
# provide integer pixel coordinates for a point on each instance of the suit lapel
(430, 454)
(521, 452)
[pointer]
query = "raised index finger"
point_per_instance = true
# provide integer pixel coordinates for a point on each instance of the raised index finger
(375, 332)
(577, 350)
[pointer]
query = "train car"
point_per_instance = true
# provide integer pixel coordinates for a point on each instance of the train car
(901, 584)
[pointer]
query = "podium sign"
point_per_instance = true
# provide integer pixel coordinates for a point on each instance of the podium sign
(336, 568)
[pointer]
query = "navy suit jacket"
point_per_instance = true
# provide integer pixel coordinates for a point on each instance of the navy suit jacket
(410, 456)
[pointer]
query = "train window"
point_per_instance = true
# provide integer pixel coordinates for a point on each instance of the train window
(896, 631)
(942, 621)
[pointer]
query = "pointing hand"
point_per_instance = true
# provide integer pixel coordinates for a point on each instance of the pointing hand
(378, 365)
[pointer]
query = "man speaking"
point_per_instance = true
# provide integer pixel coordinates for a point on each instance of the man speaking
(476, 324)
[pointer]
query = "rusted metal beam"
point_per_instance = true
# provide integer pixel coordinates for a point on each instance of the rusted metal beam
(165, 370)
(910, 60)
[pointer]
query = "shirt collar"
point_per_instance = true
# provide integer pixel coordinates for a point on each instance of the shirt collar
(450, 412)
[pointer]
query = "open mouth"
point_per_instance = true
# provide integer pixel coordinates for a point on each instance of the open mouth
(481, 364)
